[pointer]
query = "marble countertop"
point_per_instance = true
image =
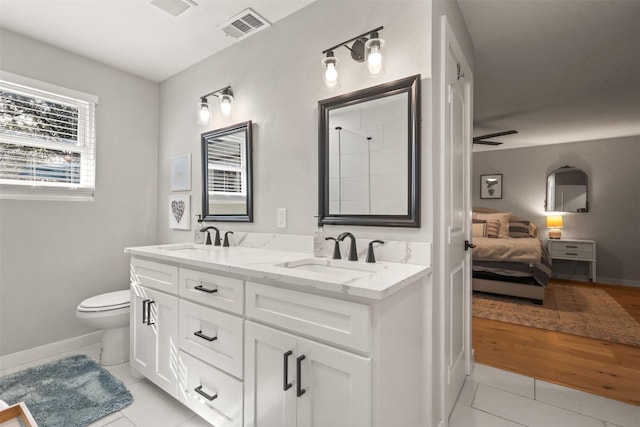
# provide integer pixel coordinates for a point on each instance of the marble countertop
(374, 281)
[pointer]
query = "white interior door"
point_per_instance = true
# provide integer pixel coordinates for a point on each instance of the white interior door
(457, 81)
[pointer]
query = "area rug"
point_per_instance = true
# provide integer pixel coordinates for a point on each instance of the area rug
(577, 310)
(70, 392)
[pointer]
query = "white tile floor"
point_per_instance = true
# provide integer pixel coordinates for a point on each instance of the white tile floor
(495, 398)
(490, 398)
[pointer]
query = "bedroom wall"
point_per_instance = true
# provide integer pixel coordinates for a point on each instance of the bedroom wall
(614, 199)
(55, 254)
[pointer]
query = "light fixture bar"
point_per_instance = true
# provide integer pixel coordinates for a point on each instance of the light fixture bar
(215, 92)
(344, 43)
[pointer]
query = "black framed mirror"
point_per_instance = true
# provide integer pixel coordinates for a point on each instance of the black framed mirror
(369, 152)
(227, 174)
(567, 190)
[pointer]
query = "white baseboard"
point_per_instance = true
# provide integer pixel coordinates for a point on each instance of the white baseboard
(26, 356)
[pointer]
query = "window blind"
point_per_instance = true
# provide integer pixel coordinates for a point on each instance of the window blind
(47, 141)
(226, 160)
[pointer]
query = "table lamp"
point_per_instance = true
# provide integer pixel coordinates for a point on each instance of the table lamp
(554, 223)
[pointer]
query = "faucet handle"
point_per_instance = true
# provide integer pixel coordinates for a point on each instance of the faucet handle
(226, 239)
(336, 248)
(370, 255)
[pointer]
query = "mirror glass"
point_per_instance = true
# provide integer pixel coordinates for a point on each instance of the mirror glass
(567, 190)
(226, 174)
(368, 145)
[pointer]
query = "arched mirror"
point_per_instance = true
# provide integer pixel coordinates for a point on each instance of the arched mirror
(369, 144)
(226, 174)
(567, 189)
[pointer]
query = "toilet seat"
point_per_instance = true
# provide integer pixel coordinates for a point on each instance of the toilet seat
(106, 302)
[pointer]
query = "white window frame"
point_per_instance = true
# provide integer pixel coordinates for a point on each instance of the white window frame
(86, 146)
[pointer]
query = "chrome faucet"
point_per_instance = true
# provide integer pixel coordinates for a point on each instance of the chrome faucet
(217, 238)
(353, 251)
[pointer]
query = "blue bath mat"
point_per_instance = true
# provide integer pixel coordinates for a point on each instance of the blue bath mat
(70, 392)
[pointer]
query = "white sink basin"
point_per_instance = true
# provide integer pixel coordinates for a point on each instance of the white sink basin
(344, 269)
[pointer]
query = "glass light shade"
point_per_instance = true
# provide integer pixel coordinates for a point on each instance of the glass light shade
(225, 104)
(330, 76)
(203, 112)
(374, 57)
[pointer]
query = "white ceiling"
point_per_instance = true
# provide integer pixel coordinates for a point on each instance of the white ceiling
(555, 70)
(134, 35)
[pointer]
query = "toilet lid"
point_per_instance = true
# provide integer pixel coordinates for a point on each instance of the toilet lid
(108, 301)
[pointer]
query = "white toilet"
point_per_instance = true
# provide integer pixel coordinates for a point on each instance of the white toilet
(109, 312)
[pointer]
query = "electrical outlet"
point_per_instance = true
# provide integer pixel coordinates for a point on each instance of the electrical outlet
(281, 218)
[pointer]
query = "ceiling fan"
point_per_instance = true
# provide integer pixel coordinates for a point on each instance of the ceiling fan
(482, 138)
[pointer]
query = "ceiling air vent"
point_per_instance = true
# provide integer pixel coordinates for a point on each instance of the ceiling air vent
(244, 24)
(174, 7)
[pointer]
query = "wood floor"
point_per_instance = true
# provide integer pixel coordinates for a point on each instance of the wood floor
(598, 367)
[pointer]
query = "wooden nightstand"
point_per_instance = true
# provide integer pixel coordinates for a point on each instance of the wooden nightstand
(576, 250)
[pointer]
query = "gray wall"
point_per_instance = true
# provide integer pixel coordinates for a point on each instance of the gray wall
(55, 254)
(614, 199)
(276, 80)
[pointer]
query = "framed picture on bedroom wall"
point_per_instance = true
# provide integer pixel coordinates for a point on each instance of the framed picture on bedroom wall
(491, 186)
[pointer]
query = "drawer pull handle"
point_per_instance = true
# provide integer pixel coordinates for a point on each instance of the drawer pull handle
(204, 337)
(203, 289)
(571, 246)
(286, 385)
(299, 390)
(205, 395)
(571, 253)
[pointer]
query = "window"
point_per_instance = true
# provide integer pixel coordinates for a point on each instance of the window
(47, 141)
(226, 166)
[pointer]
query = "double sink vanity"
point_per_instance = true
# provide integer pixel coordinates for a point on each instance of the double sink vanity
(250, 336)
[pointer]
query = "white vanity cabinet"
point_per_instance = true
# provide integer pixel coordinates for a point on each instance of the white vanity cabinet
(154, 323)
(292, 381)
(254, 345)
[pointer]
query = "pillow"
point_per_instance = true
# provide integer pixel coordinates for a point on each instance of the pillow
(502, 217)
(479, 229)
(519, 229)
(533, 230)
(493, 229)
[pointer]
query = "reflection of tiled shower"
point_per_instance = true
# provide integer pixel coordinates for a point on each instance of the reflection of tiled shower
(367, 140)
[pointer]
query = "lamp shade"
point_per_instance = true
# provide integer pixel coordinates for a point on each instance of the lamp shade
(554, 221)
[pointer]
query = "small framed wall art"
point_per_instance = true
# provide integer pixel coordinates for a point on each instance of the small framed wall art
(181, 173)
(491, 186)
(180, 212)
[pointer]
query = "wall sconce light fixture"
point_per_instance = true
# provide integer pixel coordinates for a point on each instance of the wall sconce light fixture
(363, 49)
(555, 223)
(226, 98)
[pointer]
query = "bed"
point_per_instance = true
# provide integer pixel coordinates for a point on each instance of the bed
(509, 258)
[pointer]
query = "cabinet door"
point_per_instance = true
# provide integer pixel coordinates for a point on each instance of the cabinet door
(154, 341)
(142, 340)
(266, 402)
(337, 387)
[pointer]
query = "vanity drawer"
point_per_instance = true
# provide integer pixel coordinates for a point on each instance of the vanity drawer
(212, 289)
(199, 383)
(212, 335)
(156, 275)
(572, 250)
(333, 320)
